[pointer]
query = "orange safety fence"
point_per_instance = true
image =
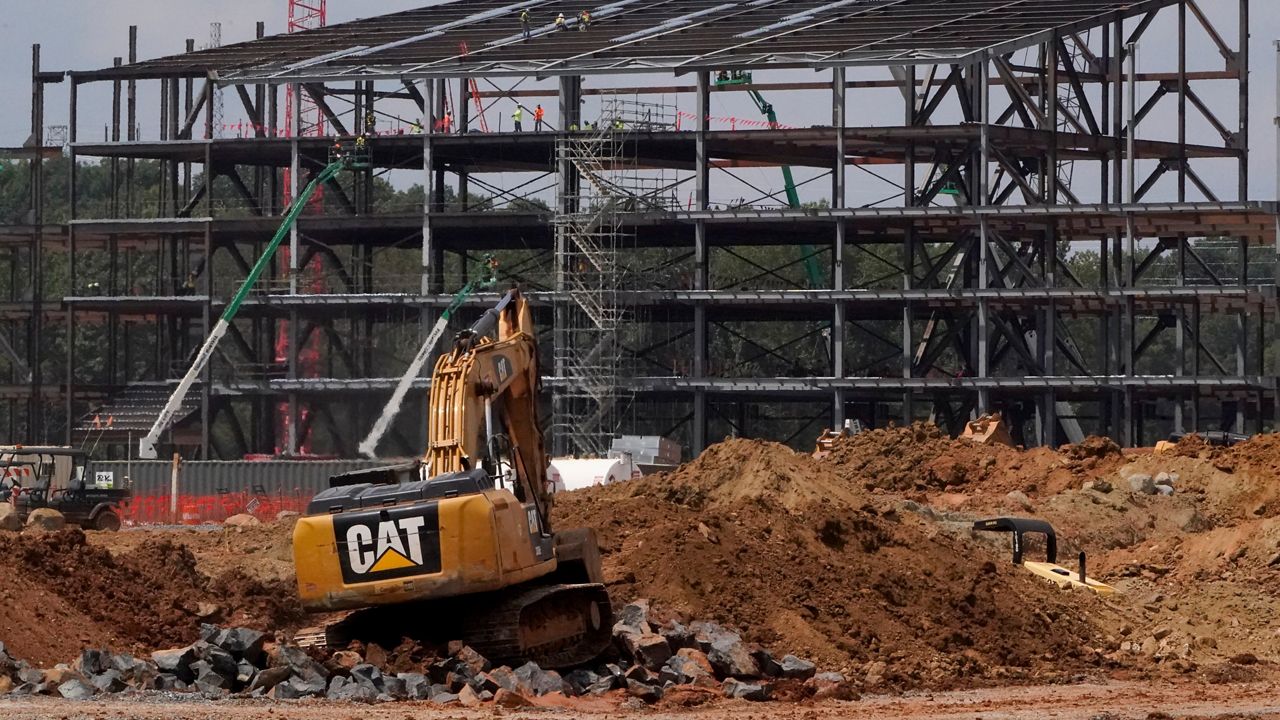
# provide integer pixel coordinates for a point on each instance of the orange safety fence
(207, 509)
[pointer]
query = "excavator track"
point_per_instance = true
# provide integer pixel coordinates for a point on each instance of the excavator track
(556, 626)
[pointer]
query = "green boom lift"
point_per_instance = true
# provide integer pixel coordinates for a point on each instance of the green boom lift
(147, 445)
(742, 77)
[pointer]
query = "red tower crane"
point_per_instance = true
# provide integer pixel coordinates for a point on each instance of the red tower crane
(303, 15)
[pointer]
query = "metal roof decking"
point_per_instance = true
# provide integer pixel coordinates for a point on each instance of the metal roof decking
(484, 37)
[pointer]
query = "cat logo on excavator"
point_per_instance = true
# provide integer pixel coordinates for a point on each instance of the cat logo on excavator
(388, 544)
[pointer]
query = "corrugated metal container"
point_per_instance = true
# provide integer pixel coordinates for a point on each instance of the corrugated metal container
(152, 477)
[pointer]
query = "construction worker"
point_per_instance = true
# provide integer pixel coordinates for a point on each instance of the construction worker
(584, 20)
(11, 487)
(560, 22)
(517, 116)
(447, 123)
(370, 123)
(524, 23)
(415, 128)
(538, 114)
(337, 152)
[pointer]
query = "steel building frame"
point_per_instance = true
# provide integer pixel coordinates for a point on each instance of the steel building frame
(978, 307)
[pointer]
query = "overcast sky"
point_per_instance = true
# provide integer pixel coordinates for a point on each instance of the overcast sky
(82, 34)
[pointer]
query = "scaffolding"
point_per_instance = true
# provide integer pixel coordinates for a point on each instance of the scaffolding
(602, 186)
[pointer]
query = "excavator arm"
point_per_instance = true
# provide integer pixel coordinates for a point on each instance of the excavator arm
(484, 405)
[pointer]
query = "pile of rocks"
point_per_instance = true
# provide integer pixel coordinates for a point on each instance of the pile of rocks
(646, 663)
(221, 662)
(95, 672)
(655, 659)
(1161, 484)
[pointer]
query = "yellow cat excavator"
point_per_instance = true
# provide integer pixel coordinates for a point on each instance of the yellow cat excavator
(458, 545)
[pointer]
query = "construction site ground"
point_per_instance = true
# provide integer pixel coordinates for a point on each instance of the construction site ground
(864, 562)
(1110, 701)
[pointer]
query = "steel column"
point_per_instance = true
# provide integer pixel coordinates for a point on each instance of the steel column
(984, 199)
(35, 409)
(73, 179)
(839, 112)
(702, 172)
(292, 436)
(1242, 67)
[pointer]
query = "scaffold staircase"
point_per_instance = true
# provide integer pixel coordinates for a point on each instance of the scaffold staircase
(587, 239)
(602, 185)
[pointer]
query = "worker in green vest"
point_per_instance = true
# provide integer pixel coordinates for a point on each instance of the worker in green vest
(517, 116)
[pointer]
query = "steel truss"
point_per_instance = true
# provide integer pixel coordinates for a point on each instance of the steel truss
(958, 295)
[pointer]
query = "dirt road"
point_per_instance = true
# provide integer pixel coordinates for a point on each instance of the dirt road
(1114, 701)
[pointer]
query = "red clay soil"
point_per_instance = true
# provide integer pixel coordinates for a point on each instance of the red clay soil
(1247, 486)
(923, 458)
(758, 537)
(61, 594)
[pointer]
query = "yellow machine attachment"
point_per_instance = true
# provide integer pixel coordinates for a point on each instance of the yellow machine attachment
(987, 430)
(458, 545)
(1064, 577)
(1049, 570)
(828, 439)
(827, 442)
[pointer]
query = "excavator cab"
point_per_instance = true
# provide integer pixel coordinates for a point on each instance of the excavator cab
(458, 545)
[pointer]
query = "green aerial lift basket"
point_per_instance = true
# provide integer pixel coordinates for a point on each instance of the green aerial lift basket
(733, 77)
(356, 156)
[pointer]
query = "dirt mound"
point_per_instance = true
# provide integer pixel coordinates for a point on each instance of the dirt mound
(893, 458)
(150, 597)
(1193, 446)
(263, 551)
(1260, 453)
(748, 536)
(1238, 481)
(922, 458)
(737, 471)
(1092, 447)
